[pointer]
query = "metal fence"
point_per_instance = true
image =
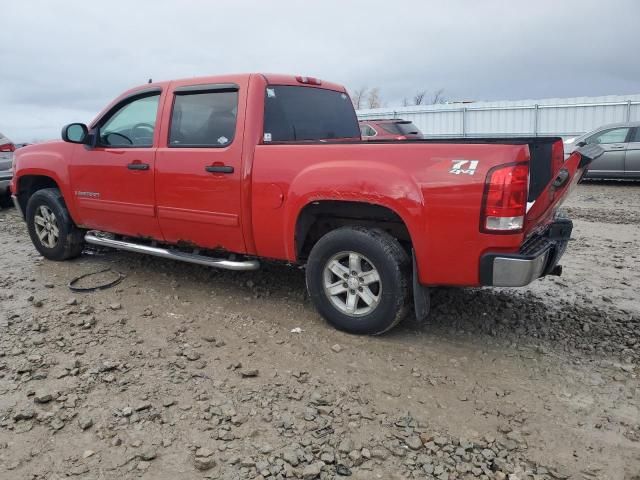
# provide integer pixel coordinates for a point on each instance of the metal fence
(559, 117)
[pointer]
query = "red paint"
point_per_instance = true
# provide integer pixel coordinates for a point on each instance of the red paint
(254, 210)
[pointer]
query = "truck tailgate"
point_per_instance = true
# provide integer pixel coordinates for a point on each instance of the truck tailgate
(544, 204)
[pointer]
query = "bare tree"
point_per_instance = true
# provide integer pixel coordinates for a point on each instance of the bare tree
(358, 97)
(374, 100)
(418, 98)
(405, 102)
(438, 97)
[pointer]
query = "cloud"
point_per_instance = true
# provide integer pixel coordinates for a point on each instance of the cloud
(63, 61)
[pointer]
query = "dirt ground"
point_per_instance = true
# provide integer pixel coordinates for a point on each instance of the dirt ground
(185, 372)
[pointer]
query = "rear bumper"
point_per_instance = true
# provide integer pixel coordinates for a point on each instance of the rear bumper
(539, 256)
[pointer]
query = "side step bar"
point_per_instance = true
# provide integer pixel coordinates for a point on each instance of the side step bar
(97, 238)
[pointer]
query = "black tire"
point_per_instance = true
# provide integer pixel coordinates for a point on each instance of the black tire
(5, 200)
(70, 238)
(385, 255)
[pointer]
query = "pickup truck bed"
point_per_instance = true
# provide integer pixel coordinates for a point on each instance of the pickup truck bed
(226, 170)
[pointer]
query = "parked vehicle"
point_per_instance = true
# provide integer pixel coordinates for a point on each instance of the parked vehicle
(6, 172)
(224, 170)
(621, 145)
(389, 129)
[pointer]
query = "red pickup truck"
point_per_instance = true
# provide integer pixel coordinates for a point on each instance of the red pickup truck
(225, 170)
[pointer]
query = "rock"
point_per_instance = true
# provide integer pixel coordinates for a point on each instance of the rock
(127, 411)
(143, 406)
(149, 454)
(336, 348)
(248, 373)
(343, 470)
(414, 442)
(115, 306)
(25, 414)
(346, 445)
(88, 453)
(291, 457)
(85, 422)
(312, 471)
(42, 397)
(192, 355)
(204, 459)
(57, 424)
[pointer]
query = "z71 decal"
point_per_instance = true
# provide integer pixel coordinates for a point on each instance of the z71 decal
(464, 166)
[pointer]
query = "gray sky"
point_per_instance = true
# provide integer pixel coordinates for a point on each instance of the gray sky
(63, 61)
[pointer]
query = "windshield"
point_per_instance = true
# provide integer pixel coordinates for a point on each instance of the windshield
(304, 113)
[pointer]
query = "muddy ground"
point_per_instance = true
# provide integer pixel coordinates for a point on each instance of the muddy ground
(185, 372)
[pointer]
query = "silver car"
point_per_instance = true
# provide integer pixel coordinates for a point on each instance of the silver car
(621, 145)
(6, 172)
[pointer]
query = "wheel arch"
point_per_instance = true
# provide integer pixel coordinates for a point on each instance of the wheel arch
(318, 217)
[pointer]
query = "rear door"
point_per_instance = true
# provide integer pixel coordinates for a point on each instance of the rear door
(198, 169)
(632, 157)
(613, 142)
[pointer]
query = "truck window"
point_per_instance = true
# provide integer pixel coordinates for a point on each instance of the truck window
(304, 113)
(203, 119)
(132, 125)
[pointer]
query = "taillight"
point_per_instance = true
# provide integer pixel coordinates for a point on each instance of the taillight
(308, 80)
(557, 156)
(505, 199)
(7, 147)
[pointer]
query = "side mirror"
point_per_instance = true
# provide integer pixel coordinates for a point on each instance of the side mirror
(581, 144)
(75, 133)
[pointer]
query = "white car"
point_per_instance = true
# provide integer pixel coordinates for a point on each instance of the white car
(6, 173)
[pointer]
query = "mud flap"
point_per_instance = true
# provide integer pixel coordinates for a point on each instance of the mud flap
(421, 303)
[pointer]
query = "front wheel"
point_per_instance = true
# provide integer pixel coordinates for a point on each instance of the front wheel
(51, 229)
(358, 279)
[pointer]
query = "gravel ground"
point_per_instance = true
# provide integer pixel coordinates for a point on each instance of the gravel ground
(184, 372)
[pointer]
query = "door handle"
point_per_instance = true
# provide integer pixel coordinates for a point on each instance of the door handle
(617, 147)
(138, 166)
(219, 169)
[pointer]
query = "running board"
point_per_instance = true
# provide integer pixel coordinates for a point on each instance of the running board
(96, 238)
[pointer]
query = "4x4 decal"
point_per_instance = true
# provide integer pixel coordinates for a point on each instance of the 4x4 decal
(464, 166)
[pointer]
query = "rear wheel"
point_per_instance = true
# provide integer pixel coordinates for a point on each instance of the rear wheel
(51, 229)
(358, 279)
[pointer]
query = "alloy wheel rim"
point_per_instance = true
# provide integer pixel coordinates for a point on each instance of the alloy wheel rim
(46, 226)
(352, 283)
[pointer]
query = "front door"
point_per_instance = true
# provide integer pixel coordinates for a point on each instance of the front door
(113, 181)
(198, 167)
(613, 142)
(632, 158)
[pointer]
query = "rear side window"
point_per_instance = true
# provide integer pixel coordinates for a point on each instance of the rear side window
(305, 113)
(636, 137)
(203, 119)
(401, 128)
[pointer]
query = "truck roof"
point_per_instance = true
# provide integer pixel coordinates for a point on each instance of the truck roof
(271, 78)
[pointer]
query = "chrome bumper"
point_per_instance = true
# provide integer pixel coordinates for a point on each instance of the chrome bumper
(538, 257)
(517, 272)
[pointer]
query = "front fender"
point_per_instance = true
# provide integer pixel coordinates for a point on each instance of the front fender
(47, 160)
(371, 182)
